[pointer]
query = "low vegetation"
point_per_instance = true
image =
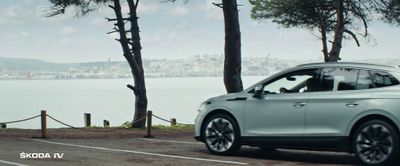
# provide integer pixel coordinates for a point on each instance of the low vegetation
(163, 127)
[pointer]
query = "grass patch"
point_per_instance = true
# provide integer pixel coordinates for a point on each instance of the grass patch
(126, 124)
(163, 127)
(176, 127)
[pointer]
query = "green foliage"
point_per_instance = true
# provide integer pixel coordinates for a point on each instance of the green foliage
(176, 127)
(128, 124)
(390, 11)
(82, 7)
(294, 13)
(311, 14)
(322, 15)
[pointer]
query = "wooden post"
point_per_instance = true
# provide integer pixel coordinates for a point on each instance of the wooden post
(3, 125)
(44, 123)
(106, 123)
(87, 119)
(173, 122)
(149, 119)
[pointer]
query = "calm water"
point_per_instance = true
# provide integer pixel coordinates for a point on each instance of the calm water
(68, 100)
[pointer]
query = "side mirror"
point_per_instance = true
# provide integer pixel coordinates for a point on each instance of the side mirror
(258, 92)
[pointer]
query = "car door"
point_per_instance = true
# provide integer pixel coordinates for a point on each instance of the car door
(275, 115)
(341, 96)
(280, 111)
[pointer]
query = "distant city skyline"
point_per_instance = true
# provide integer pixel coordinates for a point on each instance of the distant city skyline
(195, 66)
(168, 30)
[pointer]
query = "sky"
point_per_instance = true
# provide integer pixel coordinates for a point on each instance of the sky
(168, 30)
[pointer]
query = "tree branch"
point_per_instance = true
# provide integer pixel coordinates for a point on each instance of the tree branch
(218, 5)
(353, 35)
(132, 88)
(358, 13)
(85, 5)
(115, 19)
(136, 4)
(115, 31)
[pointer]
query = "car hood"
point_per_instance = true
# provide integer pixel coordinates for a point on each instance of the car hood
(225, 97)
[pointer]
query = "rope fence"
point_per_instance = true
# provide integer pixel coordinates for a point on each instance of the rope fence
(43, 116)
(170, 121)
(82, 129)
(22, 120)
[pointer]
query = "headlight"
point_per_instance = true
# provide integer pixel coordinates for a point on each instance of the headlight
(203, 105)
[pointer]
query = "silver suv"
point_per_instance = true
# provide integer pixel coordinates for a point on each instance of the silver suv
(352, 107)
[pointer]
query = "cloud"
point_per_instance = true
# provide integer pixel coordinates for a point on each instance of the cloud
(11, 11)
(9, 15)
(98, 22)
(65, 41)
(147, 8)
(29, 13)
(27, 2)
(25, 34)
(67, 30)
(15, 35)
(179, 11)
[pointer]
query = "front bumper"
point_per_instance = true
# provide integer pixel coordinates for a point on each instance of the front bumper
(198, 138)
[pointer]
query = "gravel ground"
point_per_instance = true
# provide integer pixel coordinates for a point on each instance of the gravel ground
(127, 147)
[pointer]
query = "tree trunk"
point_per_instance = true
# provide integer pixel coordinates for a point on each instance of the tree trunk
(140, 101)
(339, 31)
(141, 97)
(324, 42)
(133, 56)
(232, 64)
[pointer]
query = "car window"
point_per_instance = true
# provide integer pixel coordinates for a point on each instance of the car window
(364, 80)
(294, 82)
(383, 79)
(338, 79)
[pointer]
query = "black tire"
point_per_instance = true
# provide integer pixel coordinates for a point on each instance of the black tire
(376, 142)
(221, 134)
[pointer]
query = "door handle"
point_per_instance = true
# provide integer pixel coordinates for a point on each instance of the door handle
(299, 104)
(351, 104)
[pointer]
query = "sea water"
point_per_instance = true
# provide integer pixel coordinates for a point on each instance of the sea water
(105, 99)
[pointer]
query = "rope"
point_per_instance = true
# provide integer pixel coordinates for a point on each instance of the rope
(140, 119)
(22, 120)
(163, 119)
(70, 126)
(73, 127)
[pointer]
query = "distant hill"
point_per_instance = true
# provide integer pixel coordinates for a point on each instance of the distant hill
(22, 64)
(25, 64)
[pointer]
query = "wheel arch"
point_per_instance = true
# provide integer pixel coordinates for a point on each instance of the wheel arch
(369, 117)
(214, 112)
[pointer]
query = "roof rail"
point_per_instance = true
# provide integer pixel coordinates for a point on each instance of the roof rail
(348, 63)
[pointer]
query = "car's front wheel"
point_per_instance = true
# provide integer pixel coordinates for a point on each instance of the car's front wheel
(376, 142)
(221, 134)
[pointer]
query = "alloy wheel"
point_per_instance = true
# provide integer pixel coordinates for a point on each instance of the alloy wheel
(219, 134)
(374, 144)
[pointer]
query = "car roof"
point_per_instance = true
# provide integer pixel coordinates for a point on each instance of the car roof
(333, 64)
(352, 64)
